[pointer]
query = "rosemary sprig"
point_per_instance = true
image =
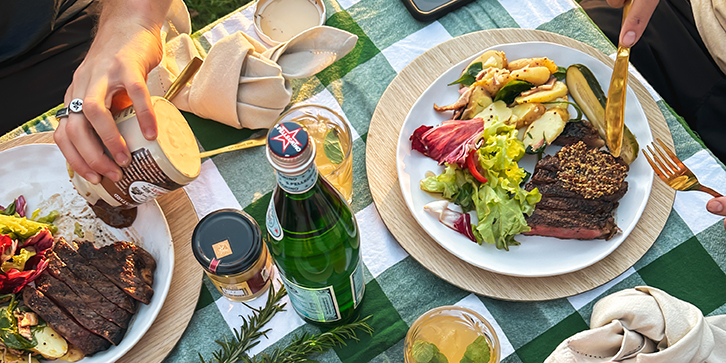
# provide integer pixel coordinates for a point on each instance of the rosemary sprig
(250, 331)
(306, 344)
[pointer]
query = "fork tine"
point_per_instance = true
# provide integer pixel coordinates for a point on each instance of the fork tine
(659, 158)
(671, 154)
(655, 167)
(665, 160)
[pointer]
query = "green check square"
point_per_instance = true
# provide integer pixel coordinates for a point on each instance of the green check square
(577, 25)
(712, 239)
(385, 21)
(627, 283)
(689, 273)
(364, 49)
(205, 296)
(542, 346)
(258, 211)
(388, 327)
(478, 15)
(206, 326)
(674, 232)
(212, 134)
(685, 140)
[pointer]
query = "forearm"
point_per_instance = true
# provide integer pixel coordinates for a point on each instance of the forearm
(147, 13)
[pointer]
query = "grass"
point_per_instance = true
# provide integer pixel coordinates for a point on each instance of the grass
(204, 12)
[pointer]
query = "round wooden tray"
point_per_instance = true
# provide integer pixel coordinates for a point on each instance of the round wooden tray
(186, 281)
(385, 125)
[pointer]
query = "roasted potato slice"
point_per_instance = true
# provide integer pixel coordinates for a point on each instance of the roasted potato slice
(534, 75)
(562, 112)
(480, 99)
(559, 90)
(50, 344)
(72, 355)
(491, 58)
(497, 110)
(543, 131)
(526, 113)
(533, 62)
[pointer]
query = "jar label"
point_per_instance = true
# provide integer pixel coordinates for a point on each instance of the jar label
(271, 221)
(357, 284)
(298, 184)
(236, 290)
(315, 304)
(142, 181)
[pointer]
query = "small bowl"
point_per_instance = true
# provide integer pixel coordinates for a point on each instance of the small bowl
(451, 328)
(289, 18)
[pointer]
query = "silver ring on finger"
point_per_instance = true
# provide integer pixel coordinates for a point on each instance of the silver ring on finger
(76, 105)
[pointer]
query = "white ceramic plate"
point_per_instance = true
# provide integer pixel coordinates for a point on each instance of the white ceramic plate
(536, 256)
(38, 172)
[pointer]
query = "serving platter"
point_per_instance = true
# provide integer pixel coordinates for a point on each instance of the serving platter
(536, 256)
(382, 157)
(36, 169)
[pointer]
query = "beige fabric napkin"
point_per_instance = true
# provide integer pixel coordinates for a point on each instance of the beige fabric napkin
(646, 325)
(242, 83)
(710, 17)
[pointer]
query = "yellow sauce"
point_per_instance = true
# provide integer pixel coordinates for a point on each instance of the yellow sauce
(283, 19)
(176, 139)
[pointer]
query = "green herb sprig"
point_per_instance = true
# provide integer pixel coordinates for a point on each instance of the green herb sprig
(296, 352)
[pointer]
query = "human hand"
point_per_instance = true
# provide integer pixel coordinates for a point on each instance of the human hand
(111, 77)
(717, 206)
(638, 17)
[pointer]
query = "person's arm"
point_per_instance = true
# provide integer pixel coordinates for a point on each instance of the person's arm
(113, 76)
(717, 206)
(634, 26)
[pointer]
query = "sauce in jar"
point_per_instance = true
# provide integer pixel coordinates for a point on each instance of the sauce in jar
(228, 244)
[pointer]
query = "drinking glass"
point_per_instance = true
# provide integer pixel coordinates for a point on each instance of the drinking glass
(333, 144)
(451, 329)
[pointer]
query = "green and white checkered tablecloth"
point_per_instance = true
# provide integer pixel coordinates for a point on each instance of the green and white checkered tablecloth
(688, 260)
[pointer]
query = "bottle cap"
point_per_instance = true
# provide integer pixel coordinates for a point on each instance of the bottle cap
(227, 242)
(289, 149)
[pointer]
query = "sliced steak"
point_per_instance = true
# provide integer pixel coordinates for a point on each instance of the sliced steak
(580, 188)
(571, 224)
(580, 131)
(90, 296)
(82, 269)
(61, 322)
(64, 297)
(119, 263)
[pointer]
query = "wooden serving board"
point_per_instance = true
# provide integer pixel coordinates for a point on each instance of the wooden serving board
(186, 281)
(383, 133)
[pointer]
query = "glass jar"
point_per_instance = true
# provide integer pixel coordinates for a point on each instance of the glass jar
(228, 244)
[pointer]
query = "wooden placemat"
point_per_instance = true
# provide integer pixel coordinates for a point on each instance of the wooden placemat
(385, 125)
(186, 281)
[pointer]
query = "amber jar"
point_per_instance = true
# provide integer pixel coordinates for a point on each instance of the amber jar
(228, 244)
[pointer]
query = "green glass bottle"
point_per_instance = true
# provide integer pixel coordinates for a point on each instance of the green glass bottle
(312, 233)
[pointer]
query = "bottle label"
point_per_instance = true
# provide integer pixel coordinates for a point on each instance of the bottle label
(271, 221)
(298, 184)
(315, 304)
(357, 284)
(142, 181)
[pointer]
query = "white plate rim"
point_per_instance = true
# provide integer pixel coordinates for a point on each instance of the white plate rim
(430, 224)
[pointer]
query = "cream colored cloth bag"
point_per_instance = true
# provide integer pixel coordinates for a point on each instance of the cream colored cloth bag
(646, 325)
(710, 17)
(242, 83)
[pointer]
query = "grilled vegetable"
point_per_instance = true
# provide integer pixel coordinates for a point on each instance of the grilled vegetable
(586, 91)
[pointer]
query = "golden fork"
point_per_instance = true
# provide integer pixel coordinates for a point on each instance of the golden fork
(671, 170)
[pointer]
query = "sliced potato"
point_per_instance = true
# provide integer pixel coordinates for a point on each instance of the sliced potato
(491, 58)
(559, 90)
(533, 62)
(534, 75)
(526, 113)
(563, 113)
(50, 344)
(496, 111)
(562, 99)
(543, 131)
(12, 358)
(72, 355)
(493, 79)
(479, 100)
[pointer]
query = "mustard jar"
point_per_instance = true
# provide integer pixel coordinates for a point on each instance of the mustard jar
(228, 244)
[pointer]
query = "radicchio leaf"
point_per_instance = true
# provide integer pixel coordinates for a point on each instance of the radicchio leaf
(7, 248)
(13, 281)
(41, 241)
(449, 142)
(20, 206)
(460, 222)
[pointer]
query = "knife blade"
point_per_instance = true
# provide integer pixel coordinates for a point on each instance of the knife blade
(615, 106)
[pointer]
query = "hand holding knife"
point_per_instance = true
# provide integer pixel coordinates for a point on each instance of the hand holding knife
(615, 107)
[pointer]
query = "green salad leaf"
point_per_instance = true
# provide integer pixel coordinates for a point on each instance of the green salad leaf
(9, 334)
(469, 76)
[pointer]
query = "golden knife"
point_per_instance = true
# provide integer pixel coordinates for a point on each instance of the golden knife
(257, 139)
(615, 107)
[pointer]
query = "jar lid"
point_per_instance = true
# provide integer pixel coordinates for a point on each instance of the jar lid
(227, 242)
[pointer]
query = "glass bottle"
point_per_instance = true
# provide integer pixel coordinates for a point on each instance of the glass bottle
(312, 233)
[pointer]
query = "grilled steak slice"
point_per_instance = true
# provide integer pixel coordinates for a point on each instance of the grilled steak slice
(59, 320)
(119, 263)
(82, 269)
(588, 206)
(571, 224)
(558, 191)
(580, 131)
(90, 296)
(64, 297)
